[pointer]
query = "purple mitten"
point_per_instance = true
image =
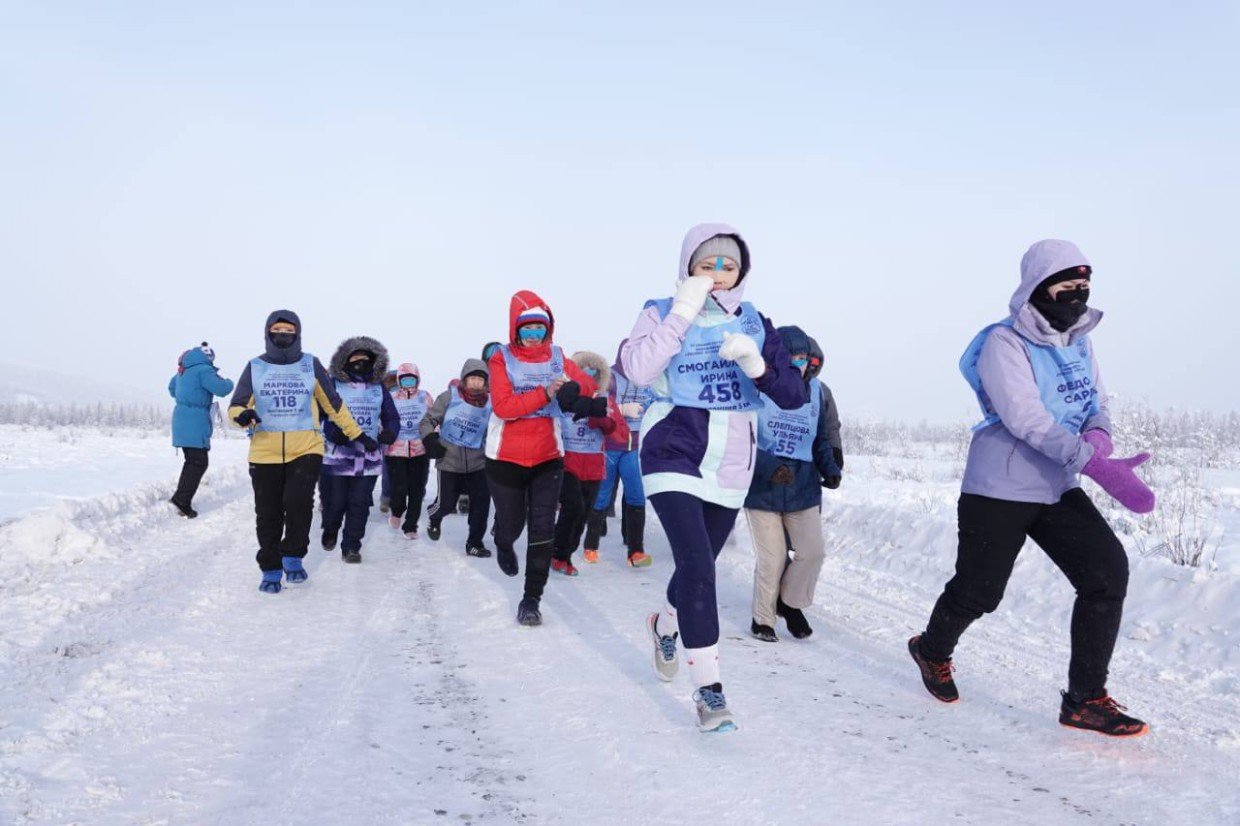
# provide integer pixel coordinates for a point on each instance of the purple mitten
(1116, 478)
(1101, 440)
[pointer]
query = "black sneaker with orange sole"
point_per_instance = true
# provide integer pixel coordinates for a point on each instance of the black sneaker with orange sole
(1100, 714)
(936, 676)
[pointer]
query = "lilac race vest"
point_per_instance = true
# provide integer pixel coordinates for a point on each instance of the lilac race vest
(698, 377)
(526, 376)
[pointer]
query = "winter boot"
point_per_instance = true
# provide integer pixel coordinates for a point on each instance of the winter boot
(294, 572)
(563, 566)
(528, 613)
(183, 509)
(762, 632)
(271, 582)
(329, 541)
(1101, 714)
(634, 527)
(480, 551)
(936, 676)
(712, 709)
(394, 522)
(351, 557)
(666, 663)
(507, 559)
(798, 625)
(432, 531)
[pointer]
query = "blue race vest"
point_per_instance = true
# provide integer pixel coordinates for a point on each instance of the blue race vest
(579, 437)
(698, 377)
(411, 413)
(1065, 378)
(365, 402)
(284, 395)
(464, 424)
(526, 376)
(789, 434)
(626, 393)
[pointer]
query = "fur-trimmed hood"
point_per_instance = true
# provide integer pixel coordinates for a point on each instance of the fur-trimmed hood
(350, 346)
(586, 359)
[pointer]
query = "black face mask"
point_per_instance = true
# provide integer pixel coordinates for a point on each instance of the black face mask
(283, 340)
(1065, 309)
(360, 370)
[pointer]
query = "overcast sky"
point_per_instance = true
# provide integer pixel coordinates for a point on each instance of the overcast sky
(172, 172)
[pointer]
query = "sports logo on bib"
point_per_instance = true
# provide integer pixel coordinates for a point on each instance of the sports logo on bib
(750, 326)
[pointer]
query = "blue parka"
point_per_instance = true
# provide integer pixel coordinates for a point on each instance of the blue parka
(800, 487)
(195, 387)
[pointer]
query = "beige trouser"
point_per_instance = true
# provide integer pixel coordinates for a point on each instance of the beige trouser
(771, 580)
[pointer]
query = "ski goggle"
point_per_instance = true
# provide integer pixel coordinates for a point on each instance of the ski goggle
(800, 363)
(532, 335)
(592, 372)
(408, 381)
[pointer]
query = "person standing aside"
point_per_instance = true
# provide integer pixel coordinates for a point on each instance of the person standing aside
(196, 384)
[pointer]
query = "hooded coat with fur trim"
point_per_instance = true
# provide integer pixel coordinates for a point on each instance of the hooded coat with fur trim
(352, 459)
(511, 438)
(592, 467)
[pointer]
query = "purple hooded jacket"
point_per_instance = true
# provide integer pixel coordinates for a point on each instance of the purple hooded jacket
(1028, 456)
(705, 453)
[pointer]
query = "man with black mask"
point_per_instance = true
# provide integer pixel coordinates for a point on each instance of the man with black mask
(281, 396)
(1046, 421)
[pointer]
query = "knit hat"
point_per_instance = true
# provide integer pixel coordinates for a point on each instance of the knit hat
(534, 315)
(1070, 274)
(714, 247)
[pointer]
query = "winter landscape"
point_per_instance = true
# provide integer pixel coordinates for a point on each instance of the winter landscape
(149, 682)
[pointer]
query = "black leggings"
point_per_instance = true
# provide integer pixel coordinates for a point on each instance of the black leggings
(407, 478)
(195, 466)
(1080, 543)
(521, 495)
(576, 501)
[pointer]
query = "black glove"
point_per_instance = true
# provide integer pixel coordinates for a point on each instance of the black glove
(598, 408)
(368, 443)
(246, 418)
(832, 482)
(336, 436)
(839, 457)
(568, 394)
(434, 447)
(387, 437)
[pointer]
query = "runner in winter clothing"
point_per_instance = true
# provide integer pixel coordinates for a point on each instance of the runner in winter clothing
(1040, 390)
(816, 361)
(793, 465)
(463, 502)
(385, 484)
(531, 383)
(281, 396)
(407, 464)
(195, 386)
(352, 467)
(585, 464)
(453, 432)
(622, 465)
(706, 355)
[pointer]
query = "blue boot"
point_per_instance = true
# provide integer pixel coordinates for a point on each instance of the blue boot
(293, 571)
(271, 582)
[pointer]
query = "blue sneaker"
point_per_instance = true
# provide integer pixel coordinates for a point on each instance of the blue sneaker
(293, 571)
(271, 582)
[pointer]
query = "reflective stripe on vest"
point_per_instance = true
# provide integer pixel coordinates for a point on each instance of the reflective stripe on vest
(284, 395)
(789, 434)
(526, 376)
(698, 377)
(1064, 375)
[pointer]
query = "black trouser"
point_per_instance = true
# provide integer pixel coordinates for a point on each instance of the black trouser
(521, 495)
(473, 485)
(191, 474)
(1080, 543)
(349, 499)
(283, 507)
(407, 477)
(576, 501)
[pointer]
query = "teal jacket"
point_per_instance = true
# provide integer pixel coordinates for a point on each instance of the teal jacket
(195, 387)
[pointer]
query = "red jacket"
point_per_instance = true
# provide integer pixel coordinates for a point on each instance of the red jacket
(592, 467)
(510, 438)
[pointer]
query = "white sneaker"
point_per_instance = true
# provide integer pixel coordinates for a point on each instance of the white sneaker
(666, 663)
(394, 523)
(712, 710)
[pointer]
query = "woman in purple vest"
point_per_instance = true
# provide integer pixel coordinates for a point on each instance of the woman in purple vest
(1045, 422)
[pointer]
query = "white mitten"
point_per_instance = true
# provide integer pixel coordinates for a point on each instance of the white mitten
(691, 296)
(743, 350)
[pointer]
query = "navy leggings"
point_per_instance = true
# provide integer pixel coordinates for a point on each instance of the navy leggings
(696, 531)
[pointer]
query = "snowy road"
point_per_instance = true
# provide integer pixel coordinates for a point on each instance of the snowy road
(148, 681)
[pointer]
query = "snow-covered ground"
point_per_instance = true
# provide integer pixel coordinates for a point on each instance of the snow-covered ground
(148, 681)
